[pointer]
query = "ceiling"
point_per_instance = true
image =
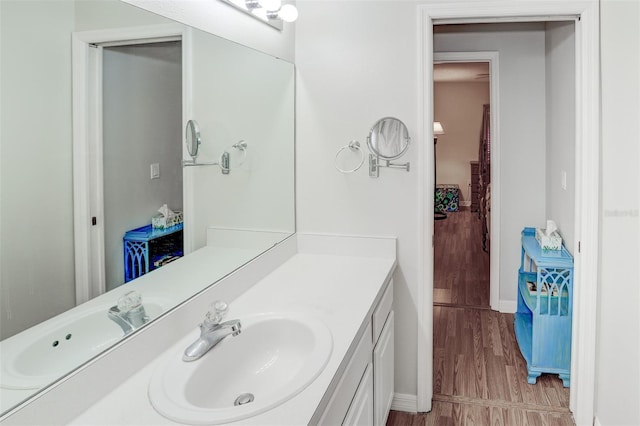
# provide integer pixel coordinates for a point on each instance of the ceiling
(476, 72)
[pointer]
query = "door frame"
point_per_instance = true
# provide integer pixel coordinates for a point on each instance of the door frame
(493, 58)
(88, 197)
(587, 178)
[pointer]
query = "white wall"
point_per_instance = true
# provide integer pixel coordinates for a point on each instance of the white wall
(142, 111)
(223, 20)
(458, 106)
(618, 362)
(36, 225)
(102, 14)
(254, 102)
(350, 74)
(561, 134)
(521, 50)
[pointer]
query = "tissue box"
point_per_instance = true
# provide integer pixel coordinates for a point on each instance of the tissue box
(550, 242)
(159, 221)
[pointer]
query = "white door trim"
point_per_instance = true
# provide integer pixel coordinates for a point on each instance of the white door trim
(494, 73)
(587, 182)
(89, 269)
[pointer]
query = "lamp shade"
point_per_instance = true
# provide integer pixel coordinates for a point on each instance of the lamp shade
(437, 128)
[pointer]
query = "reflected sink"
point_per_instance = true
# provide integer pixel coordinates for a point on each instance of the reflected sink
(274, 358)
(42, 354)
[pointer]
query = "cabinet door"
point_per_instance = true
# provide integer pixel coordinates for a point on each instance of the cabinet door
(361, 410)
(383, 367)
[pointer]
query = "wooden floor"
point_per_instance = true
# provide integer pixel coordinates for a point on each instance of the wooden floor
(461, 268)
(479, 373)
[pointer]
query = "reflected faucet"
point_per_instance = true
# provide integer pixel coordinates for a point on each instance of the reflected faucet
(129, 313)
(212, 331)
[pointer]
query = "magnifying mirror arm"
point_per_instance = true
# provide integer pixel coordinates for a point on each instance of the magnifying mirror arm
(193, 162)
(225, 160)
(375, 164)
(397, 165)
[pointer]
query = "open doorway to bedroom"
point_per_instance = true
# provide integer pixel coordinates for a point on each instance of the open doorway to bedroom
(461, 100)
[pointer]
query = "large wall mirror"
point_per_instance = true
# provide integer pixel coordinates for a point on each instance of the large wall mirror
(137, 97)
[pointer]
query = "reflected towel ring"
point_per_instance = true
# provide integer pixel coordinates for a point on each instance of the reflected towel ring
(353, 146)
(242, 147)
(225, 157)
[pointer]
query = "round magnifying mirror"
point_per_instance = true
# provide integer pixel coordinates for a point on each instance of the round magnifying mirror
(192, 138)
(389, 138)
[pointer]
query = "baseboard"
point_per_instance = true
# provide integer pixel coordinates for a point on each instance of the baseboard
(404, 402)
(465, 203)
(507, 306)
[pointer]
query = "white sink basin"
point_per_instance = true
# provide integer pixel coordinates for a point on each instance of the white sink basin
(274, 358)
(42, 354)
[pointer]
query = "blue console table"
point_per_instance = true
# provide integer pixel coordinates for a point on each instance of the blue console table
(545, 305)
(146, 249)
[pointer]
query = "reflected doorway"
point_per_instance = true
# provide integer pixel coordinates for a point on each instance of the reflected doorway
(129, 100)
(141, 150)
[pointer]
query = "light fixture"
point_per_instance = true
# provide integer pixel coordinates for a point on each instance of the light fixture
(269, 4)
(437, 130)
(288, 13)
(272, 12)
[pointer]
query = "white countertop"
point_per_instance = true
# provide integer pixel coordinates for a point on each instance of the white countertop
(339, 290)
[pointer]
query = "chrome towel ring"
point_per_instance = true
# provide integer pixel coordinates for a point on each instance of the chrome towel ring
(354, 146)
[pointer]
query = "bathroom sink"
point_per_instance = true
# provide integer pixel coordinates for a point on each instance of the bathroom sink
(42, 354)
(274, 358)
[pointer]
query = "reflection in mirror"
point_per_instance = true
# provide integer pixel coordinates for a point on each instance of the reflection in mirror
(192, 138)
(388, 139)
(44, 333)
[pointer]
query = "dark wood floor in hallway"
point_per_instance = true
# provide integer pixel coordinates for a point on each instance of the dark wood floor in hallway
(480, 377)
(460, 267)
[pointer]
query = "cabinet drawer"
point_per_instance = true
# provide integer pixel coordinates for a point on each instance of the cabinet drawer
(382, 311)
(336, 410)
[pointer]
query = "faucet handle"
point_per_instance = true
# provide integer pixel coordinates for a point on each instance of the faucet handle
(218, 311)
(129, 301)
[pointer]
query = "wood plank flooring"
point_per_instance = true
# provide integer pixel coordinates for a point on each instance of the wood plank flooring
(461, 268)
(479, 374)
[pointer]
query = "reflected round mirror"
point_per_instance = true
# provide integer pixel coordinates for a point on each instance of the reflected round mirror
(192, 138)
(388, 138)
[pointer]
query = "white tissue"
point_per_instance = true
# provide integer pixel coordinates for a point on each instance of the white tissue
(165, 211)
(551, 228)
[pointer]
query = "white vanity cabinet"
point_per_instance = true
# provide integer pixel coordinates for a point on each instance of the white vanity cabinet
(361, 410)
(383, 373)
(365, 390)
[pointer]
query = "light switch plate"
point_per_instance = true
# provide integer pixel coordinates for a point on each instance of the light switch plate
(563, 180)
(155, 171)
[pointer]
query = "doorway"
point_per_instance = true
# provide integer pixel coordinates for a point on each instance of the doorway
(462, 100)
(141, 149)
(486, 339)
(130, 97)
(585, 16)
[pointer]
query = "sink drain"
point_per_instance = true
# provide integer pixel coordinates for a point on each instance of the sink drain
(245, 398)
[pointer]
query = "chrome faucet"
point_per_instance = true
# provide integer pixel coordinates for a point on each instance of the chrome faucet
(129, 313)
(212, 331)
